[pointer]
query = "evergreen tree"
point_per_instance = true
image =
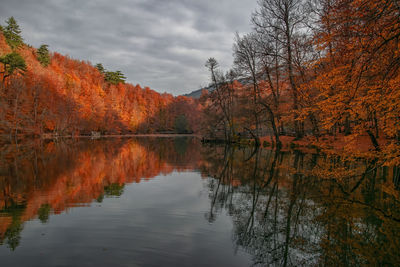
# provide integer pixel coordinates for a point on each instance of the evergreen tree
(12, 33)
(43, 55)
(115, 77)
(100, 67)
(12, 62)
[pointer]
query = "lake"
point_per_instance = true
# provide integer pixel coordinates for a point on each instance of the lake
(164, 201)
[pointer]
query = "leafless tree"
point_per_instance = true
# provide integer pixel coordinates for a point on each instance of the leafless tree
(247, 63)
(282, 21)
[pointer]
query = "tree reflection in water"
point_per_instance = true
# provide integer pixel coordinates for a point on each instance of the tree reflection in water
(41, 178)
(287, 208)
(292, 209)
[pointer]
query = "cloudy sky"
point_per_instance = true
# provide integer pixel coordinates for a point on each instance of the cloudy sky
(162, 44)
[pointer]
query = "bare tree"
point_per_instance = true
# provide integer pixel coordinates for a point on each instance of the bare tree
(250, 60)
(282, 20)
(222, 96)
(247, 63)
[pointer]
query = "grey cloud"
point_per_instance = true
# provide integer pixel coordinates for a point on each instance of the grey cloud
(162, 44)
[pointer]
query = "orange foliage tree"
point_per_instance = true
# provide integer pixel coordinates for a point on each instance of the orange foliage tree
(322, 68)
(71, 97)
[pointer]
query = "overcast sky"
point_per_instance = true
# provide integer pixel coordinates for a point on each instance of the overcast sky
(162, 44)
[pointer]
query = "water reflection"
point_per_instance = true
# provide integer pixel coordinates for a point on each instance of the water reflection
(286, 208)
(38, 178)
(292, 209)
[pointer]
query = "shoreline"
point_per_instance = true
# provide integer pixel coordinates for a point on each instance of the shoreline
(333, 144)
(339, 144)
(50, 136)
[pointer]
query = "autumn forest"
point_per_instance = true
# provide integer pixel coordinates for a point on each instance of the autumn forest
(48, 93)
(313, 70)
(288, 157)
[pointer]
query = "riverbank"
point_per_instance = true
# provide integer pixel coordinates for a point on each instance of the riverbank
(338, 143)
(6, 138)
(333, 144)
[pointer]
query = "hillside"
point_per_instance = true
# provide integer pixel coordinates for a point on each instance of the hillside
(70, 96)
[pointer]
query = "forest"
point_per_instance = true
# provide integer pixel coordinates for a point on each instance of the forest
(49, 93)
(316, 82)
(324, 73)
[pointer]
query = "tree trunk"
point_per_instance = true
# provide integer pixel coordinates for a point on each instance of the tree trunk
(315, 127)
(376, 125)
(373, 140)
(255, 137)
(347, 128)
(15, 117)
(273, 124)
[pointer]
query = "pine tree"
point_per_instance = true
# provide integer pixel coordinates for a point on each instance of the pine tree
(43, 55)
(12, 33)
(115, 77)
(12, 62)
(100, 67)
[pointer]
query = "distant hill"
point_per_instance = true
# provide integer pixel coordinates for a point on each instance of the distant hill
(197, 93)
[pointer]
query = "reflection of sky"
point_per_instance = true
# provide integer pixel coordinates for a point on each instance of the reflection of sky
(153, 222)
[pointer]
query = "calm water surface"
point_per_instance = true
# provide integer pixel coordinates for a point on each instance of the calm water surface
(174, 202)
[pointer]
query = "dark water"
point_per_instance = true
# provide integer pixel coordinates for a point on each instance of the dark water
(174, 202)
